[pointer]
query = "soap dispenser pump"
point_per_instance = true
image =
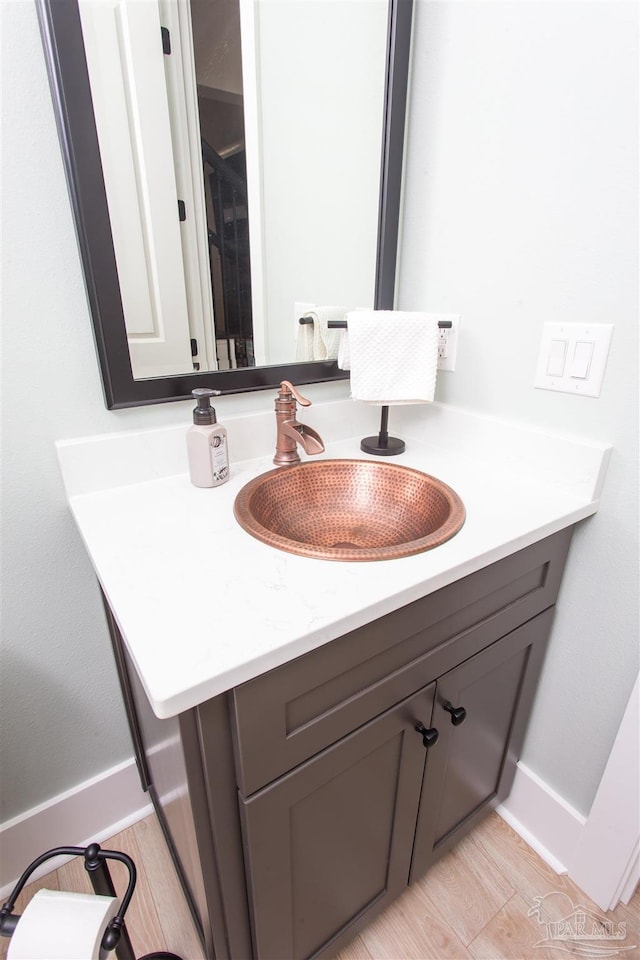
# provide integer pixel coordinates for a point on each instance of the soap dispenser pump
(207, 443)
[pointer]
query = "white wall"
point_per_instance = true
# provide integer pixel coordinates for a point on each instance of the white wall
(518, 210)
(62, 718)
(55, 659)
(521, 207)
(321, 77)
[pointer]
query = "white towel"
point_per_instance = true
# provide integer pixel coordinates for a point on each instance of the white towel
(393, 356)
(317, 341)
(344, 354)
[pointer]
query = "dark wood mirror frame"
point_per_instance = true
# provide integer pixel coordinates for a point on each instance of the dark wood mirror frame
(64, 52)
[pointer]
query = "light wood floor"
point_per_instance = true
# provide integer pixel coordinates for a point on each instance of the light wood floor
(474, 903)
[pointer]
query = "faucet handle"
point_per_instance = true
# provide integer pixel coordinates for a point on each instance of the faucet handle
(288, 390)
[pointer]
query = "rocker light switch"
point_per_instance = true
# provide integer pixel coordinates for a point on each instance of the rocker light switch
(582, 356)
(572, 357)
(557, 357)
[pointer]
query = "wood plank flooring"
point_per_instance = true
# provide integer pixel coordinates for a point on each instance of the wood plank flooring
(478, 902)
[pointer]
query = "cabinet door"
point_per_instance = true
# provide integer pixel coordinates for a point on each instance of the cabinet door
(471, 767)
(333, 838)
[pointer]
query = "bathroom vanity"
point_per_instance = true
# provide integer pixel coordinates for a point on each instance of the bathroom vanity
(343, 774)
(314, 748)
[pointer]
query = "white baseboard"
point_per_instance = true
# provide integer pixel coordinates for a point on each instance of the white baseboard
(544, 820)
(601, 852)
(606, 863)
(93, 811)
(99, 808)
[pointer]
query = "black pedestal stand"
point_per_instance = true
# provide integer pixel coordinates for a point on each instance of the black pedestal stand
(383, 445)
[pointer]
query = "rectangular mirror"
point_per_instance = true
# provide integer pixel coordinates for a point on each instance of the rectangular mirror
(219, 179)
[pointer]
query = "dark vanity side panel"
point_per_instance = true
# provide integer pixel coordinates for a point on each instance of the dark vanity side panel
(216, 751)
(168, 758)
(291, 713)
(166, 746)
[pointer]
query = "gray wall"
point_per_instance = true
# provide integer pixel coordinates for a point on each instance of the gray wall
(521, 207)
(457, 254)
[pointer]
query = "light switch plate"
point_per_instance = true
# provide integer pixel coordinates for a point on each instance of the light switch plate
(572, 357)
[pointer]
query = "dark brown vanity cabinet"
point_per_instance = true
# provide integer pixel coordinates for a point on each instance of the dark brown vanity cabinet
(339, 837)
(312, 795)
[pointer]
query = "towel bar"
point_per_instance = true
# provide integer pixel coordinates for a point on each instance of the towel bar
(383, 445)
(443, 324)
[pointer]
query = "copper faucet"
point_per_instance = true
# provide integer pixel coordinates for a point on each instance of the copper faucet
(290, 431)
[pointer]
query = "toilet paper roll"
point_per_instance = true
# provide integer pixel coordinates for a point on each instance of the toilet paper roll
(57, 925)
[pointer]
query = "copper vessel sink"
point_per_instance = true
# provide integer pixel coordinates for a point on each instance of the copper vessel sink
(349, 510)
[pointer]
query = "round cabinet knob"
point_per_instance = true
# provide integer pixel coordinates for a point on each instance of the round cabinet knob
(458, 714)
(429, 737)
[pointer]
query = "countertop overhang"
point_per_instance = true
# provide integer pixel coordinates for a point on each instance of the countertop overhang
(202, 606)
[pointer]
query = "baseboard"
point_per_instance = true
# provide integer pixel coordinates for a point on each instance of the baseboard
(606, 864)
(551, 826)
(94, 810)
(103, 806)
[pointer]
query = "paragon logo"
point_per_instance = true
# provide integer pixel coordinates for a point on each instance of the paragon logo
(576, 929)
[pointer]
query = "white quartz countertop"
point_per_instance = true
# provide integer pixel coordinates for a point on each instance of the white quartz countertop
(203, 607)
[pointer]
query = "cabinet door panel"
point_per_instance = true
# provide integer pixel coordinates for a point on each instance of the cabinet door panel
(333, 838)
(477, 747)
(471, 766)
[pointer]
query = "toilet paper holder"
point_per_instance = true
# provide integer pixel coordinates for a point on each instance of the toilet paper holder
(115, 936)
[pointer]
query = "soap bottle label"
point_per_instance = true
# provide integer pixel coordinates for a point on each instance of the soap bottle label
(219, 458)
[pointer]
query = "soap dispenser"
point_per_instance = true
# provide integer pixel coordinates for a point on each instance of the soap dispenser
(207, 443)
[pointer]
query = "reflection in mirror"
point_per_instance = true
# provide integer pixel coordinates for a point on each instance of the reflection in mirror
(170, 126)
(157, 182)
(218, 76)
(322, 82)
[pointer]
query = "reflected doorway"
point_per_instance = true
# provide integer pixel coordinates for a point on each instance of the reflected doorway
(218, 68)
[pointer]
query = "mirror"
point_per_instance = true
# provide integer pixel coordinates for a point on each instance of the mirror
(273, 333)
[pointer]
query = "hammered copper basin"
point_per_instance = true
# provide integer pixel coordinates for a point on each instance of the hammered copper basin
(349, 510)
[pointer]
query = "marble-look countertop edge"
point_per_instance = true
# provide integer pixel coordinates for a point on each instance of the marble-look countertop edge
(209, 663)
(299, 646)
